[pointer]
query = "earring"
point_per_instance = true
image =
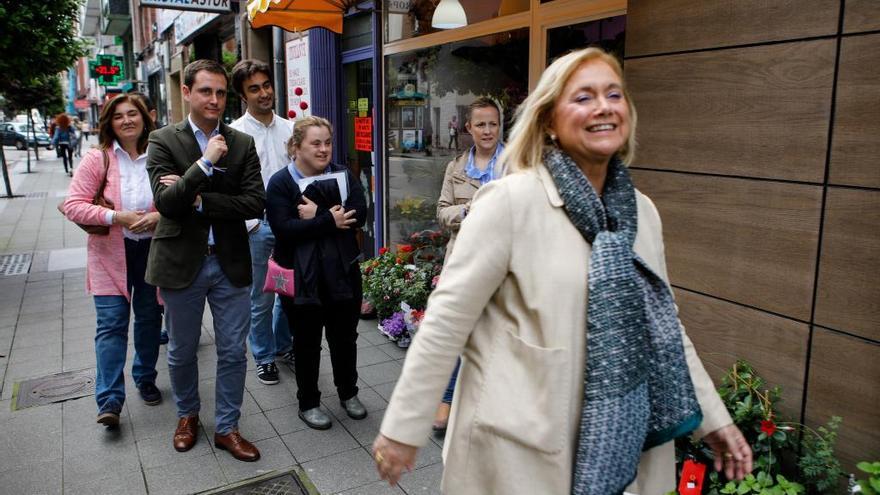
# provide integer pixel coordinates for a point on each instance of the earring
(553, 138)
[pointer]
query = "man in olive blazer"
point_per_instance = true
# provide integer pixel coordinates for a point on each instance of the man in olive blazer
(206, 181)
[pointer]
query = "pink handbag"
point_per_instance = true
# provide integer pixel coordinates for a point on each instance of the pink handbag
(278, 279)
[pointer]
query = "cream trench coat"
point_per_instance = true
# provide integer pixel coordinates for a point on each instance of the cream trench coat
(457, 192)
(512, 302)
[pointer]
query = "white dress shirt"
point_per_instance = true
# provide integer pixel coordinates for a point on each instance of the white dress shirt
(271, 143)
(134, 187)
(203, 139)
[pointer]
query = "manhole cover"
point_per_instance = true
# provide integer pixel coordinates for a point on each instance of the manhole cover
(271, 484)
(53, 388)
(15, 264)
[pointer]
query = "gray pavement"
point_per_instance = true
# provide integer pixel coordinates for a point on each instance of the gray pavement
(47, 325)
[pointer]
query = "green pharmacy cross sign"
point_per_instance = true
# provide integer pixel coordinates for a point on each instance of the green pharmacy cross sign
(107, 69)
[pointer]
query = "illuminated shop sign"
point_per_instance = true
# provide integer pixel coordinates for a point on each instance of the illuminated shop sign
(107, 70)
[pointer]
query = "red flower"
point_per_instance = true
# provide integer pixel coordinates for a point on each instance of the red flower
(383, 250)
(398, 261)
(768, 427)
(291, 114)
(405, 248)
(303, 105)
(298, 91)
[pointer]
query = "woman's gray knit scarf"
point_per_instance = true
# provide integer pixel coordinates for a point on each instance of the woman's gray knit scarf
(637, 388)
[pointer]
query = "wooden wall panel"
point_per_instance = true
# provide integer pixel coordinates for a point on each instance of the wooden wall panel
(848, 298)
(760, 111)
(855, 152)
(860, 15)
(659, 26)
(753, 242)
(844, 378)
(724, 332)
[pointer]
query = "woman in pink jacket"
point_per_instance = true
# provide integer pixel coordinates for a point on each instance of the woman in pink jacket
(117, 261)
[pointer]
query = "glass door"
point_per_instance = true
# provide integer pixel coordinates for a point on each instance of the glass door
(358, 77)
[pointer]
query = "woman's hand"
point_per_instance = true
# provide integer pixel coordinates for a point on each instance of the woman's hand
(147, 223)
(167, 180)
(732, 452)
(307, 209)
(392, 458)
(127, 218)
(343, 218)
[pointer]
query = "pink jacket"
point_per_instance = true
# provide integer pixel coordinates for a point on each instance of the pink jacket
(105, 270)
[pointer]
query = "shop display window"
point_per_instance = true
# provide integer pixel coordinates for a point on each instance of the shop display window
(425, 91)
(410, 18)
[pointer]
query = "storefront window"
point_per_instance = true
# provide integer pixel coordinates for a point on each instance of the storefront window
(411, 18)
(608, 34)
(426, 91)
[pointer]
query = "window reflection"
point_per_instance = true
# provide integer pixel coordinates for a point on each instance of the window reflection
(608, 34)
(427, 95)
(410, 18)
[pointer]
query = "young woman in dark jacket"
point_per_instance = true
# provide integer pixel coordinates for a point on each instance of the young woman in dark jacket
(315, 235)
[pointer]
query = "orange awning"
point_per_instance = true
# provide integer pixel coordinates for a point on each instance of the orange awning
(298, 15)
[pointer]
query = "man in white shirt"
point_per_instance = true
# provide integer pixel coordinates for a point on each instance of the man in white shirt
(269, 333)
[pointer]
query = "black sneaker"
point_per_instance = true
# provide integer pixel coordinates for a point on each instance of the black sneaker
(267, 373)
(286, 358)
(150, 394)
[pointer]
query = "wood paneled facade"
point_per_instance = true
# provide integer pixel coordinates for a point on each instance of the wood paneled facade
(759, 138)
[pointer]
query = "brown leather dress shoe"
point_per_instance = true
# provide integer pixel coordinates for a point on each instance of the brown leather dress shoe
(240, 448)
(186, 433)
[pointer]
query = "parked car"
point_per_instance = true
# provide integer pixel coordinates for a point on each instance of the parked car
(16, 134)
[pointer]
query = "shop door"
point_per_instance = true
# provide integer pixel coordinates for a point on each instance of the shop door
(359, 125)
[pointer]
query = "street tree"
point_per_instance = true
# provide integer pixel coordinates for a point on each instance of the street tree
(37, 40)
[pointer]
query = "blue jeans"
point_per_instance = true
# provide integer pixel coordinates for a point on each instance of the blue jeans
(111, 337)
(269, 334)
(230, 307)
(450, 388)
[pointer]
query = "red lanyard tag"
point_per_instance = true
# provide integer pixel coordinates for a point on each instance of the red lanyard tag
(691, 478)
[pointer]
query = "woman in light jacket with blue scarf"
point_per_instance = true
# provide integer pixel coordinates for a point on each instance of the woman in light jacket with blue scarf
(576, 373)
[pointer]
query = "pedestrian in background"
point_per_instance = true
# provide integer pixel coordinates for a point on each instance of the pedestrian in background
(464, 175)
(576, 373)
(315, 230)
(206, 182)
(270, 333)
(64, 139)
(117, 260)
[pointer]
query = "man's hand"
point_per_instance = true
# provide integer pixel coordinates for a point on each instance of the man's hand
(308, 209)
(343, 218)
(198, 202)
(167, 180)
(127, 218)
(216, 148)
(147, 223)
(392, 458)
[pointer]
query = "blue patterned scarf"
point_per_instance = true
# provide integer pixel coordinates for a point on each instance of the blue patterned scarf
(637, 388)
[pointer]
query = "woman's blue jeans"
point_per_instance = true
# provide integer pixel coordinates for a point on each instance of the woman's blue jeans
(447, 396)
(111, 338)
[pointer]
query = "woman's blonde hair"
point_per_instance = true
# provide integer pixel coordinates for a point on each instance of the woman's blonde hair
(529, 135)
(301, 126)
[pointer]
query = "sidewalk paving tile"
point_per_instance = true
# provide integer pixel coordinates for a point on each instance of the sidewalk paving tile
(424, 481)
(274, 456)
(39, 478)
(186, 476)
(113, 482)
(309, 444)
(343, 471)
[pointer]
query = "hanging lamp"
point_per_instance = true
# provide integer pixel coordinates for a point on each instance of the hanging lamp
(449, 14)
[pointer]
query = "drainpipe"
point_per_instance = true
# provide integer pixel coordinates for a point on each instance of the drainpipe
(280, 75)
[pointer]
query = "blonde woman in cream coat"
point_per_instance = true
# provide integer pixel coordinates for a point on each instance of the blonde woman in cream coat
(512, 302)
